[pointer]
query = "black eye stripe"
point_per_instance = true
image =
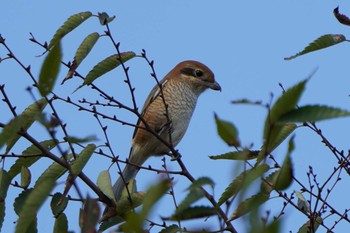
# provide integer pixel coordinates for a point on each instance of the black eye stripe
(192, 72)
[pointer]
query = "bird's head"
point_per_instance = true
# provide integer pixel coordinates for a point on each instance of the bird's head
(198, 75)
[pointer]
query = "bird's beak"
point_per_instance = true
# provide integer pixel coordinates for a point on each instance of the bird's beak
(214, 86)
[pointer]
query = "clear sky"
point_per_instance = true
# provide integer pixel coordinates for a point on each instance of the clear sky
(243, 42)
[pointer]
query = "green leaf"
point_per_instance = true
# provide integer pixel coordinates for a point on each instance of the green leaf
(89, 215)
(104, 183)
(273, 227)
(5, 182)
(124, 205)
(85, 47)
(242, 181)
(28, 161)
(20, 200)
(284, 176)
(303, 204)
(153, 195)
(110, 223)
(25, 177)
(81, 53)
(49, 70)
(193, 196)
(54, 171)
(343, 19)
(171, 229)
(107, 65)
(227, 131)
(274, 132)
(133, 223)
(201, 181)
(237, 155)
(32, 204)
(320, 43)
(78, 164)
(313, 113)
(81, 140)
(104, 18)
(277, 135)
(61, 224)
(22, 122)
(311, 226)
(58, 204)
(194, 213)
(69, 25)
(285, 103)
(249, 204)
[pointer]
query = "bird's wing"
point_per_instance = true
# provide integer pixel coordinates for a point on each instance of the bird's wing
(155, 92)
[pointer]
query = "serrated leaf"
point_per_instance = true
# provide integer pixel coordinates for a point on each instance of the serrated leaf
(61, 224)
(273, 227)
(104, 18)
(58, 204)
(5, 182)
(249, 204)
(343, 19)
(9, 134)
(171, 229)
(194, 213)
(28, 161)
(242, 181)
(311, 226)
(227, 131)
(124, 205)
(133, 223)
(277, 135)
(25, 177)
(237, 155)
(285, 103)
(32, 204)
(54, 171)
(78, 164)
(104, 183)
(303, 204)
(247, 102)
(313, 113)
(81, 140)
(274, 132)
(107, 65)
(320, 43)
(86, 46)
(89, 215)
(111, 222)
(267, 185)
(284, 176)
(49, 70)
(193, 196)
(20, 200)
(153, 195)
(84, 49)
(201, 181)
(69, 25)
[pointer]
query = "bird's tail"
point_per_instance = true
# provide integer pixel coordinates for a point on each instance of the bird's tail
(128, 174)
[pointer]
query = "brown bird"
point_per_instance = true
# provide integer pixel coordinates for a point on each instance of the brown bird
(181, 88)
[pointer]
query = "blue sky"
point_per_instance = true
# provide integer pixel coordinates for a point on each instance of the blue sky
(243, 42)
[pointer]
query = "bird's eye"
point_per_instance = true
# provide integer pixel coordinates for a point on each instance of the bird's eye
(198, 73)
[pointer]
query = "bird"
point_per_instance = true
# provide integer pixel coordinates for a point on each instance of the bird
(169, 106)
